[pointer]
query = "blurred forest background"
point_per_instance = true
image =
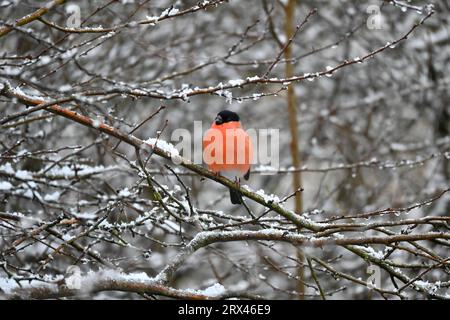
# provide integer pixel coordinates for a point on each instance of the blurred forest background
(358, 209)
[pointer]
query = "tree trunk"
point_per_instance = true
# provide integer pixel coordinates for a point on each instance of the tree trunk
(293, 125)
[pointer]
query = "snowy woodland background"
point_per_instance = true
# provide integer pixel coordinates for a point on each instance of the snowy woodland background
(358, 209)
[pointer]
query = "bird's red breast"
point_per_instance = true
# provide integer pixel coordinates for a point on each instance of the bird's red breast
(227, 147)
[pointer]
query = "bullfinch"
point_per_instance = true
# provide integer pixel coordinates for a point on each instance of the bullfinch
(228, 150)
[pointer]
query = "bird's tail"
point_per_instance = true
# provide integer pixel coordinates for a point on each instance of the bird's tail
(235, 197)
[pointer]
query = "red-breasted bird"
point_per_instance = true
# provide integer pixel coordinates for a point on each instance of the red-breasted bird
(228, 150)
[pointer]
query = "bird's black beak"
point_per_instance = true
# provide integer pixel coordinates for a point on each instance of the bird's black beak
(218, 120)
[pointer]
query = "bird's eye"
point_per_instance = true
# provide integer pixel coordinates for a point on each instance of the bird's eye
(218, 119)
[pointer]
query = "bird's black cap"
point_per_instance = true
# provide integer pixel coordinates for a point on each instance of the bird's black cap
(225, 116)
